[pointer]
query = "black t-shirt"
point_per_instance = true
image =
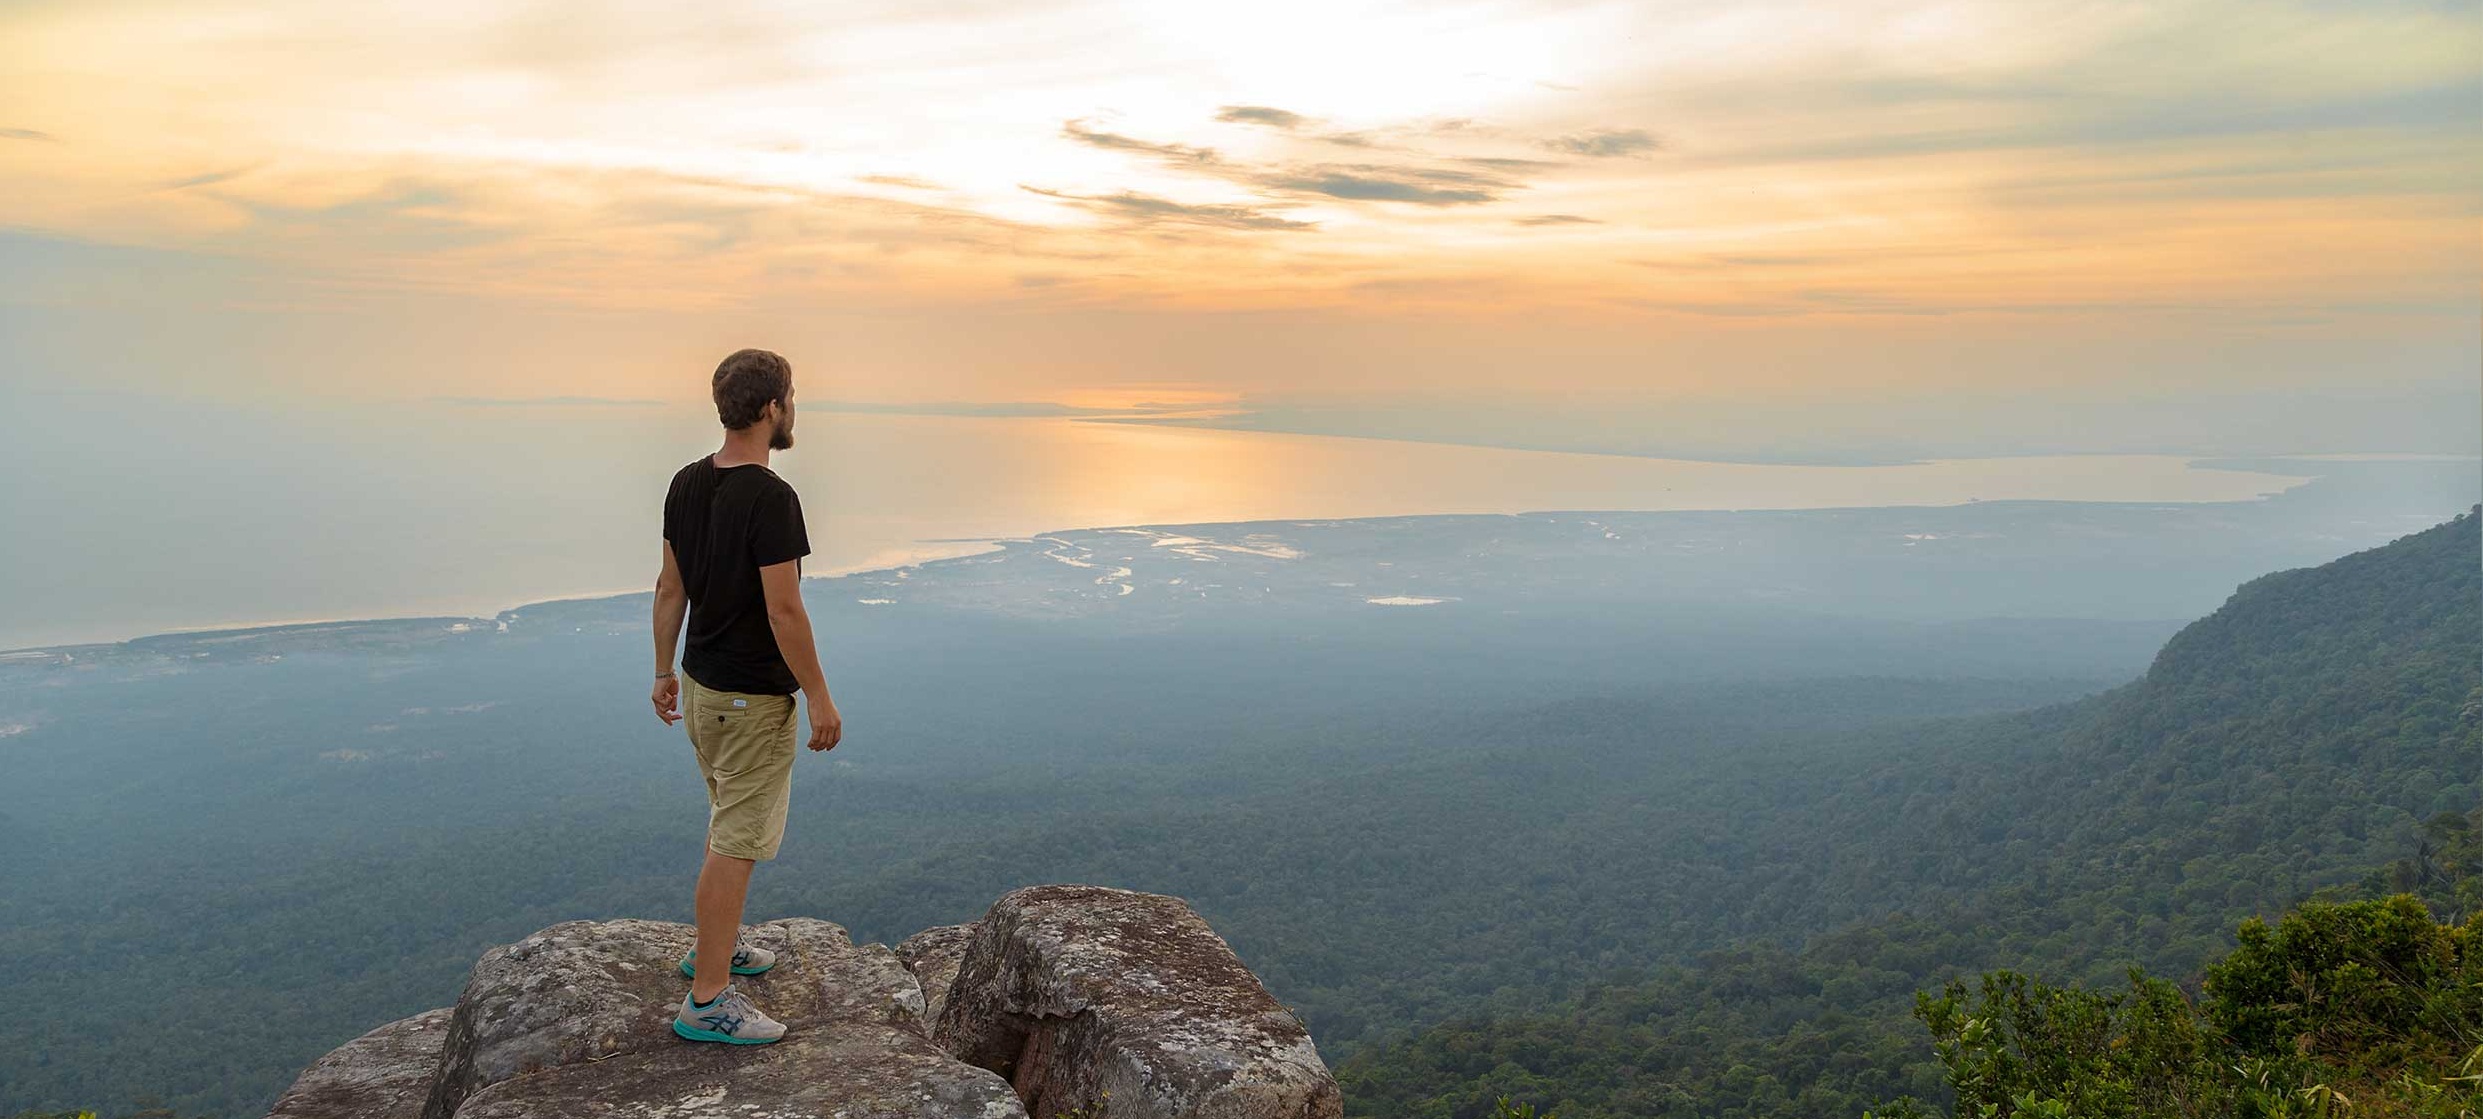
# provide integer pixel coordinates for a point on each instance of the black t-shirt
(725, 524)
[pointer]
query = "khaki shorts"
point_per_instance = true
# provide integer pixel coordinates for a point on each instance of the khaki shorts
(745, 747)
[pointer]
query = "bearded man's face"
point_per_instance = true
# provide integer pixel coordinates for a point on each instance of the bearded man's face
(780, 438)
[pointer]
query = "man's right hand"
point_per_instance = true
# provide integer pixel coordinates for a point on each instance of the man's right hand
(826, 725)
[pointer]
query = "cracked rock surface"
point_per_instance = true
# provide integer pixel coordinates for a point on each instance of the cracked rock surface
(384, 1074)
(1136, 996)
(933, 955)
(576, 1020)
(1087, 995)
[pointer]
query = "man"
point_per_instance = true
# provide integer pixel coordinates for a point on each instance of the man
(733, 548)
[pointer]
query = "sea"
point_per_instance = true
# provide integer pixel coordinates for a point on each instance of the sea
(191, 515)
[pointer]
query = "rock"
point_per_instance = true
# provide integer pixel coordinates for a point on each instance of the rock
(384, 1074)
(933, 955)
(576, 1020)
(1079, 993)
(1058, 999)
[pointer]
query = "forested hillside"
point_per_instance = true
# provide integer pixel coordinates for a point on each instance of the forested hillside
(2294, 743)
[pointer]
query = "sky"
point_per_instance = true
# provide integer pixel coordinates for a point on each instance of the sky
(1754, 230)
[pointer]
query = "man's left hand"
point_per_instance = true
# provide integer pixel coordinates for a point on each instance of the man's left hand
(667, 699)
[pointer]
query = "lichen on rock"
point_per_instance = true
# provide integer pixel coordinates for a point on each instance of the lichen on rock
(384, 1074)
(1083, 994)
(933, 955)
(575, 1021)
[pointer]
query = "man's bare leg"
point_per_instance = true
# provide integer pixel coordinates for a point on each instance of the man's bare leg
(723, 885)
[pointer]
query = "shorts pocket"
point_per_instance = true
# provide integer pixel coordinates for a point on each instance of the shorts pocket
(747, 740)
(734, 711)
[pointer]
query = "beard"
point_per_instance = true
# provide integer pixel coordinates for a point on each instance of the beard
(781, 438)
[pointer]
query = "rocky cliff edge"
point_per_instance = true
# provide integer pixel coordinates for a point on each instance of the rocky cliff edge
(1063, 1000)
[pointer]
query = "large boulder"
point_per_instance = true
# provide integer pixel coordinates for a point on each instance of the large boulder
(933, 955)
(1091, 999)
(384, 1074)
(576, 1020)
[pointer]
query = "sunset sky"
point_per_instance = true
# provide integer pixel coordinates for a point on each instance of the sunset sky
(2251, 224)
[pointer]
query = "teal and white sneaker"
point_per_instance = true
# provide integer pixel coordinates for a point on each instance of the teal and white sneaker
(747, 960)
(730, 1019)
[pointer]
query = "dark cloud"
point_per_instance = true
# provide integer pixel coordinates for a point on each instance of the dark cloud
(1474, 181)
(1605, 143)
(1505, 164)
(209, 178)
(1364, 182)
(1436, 175)
(1261, 114)
(1287, 121)
(1376, 188)
(1558, 219)
(1147, 208)
(1175, 153)
(25, 134)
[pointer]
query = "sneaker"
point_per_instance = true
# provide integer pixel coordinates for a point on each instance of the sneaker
(730, 1019)
(747, 960)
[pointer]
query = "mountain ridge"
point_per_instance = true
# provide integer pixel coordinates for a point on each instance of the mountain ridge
(2282, 747)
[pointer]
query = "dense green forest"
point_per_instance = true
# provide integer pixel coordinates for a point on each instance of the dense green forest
(2139, 828)
(2370, 1008)
(1762, 1031)
(1695, 897)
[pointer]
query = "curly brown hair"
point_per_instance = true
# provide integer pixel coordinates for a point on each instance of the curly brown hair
(747, 382)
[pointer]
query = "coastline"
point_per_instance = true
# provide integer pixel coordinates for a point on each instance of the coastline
(457, 624)
(2283, 477)
(923, 554)
(452, 541)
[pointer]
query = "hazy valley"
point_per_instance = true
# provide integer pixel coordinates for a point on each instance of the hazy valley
(1413, 768)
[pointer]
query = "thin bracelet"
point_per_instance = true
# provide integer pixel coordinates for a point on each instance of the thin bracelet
(663, 676)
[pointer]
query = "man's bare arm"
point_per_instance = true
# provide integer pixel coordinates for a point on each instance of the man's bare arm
(672, 601)
(782, 583)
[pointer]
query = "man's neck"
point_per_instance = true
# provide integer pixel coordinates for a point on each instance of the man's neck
(741, 450)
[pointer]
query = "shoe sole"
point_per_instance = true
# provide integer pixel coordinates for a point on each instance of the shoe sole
(686, 970)
(693, 1033)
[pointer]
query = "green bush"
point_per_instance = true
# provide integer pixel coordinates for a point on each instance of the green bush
(2368, 1008)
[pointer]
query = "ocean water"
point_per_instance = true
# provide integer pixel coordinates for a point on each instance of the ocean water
(134, 518)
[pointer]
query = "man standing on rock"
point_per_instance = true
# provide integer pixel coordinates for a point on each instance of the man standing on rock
(733, 548)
